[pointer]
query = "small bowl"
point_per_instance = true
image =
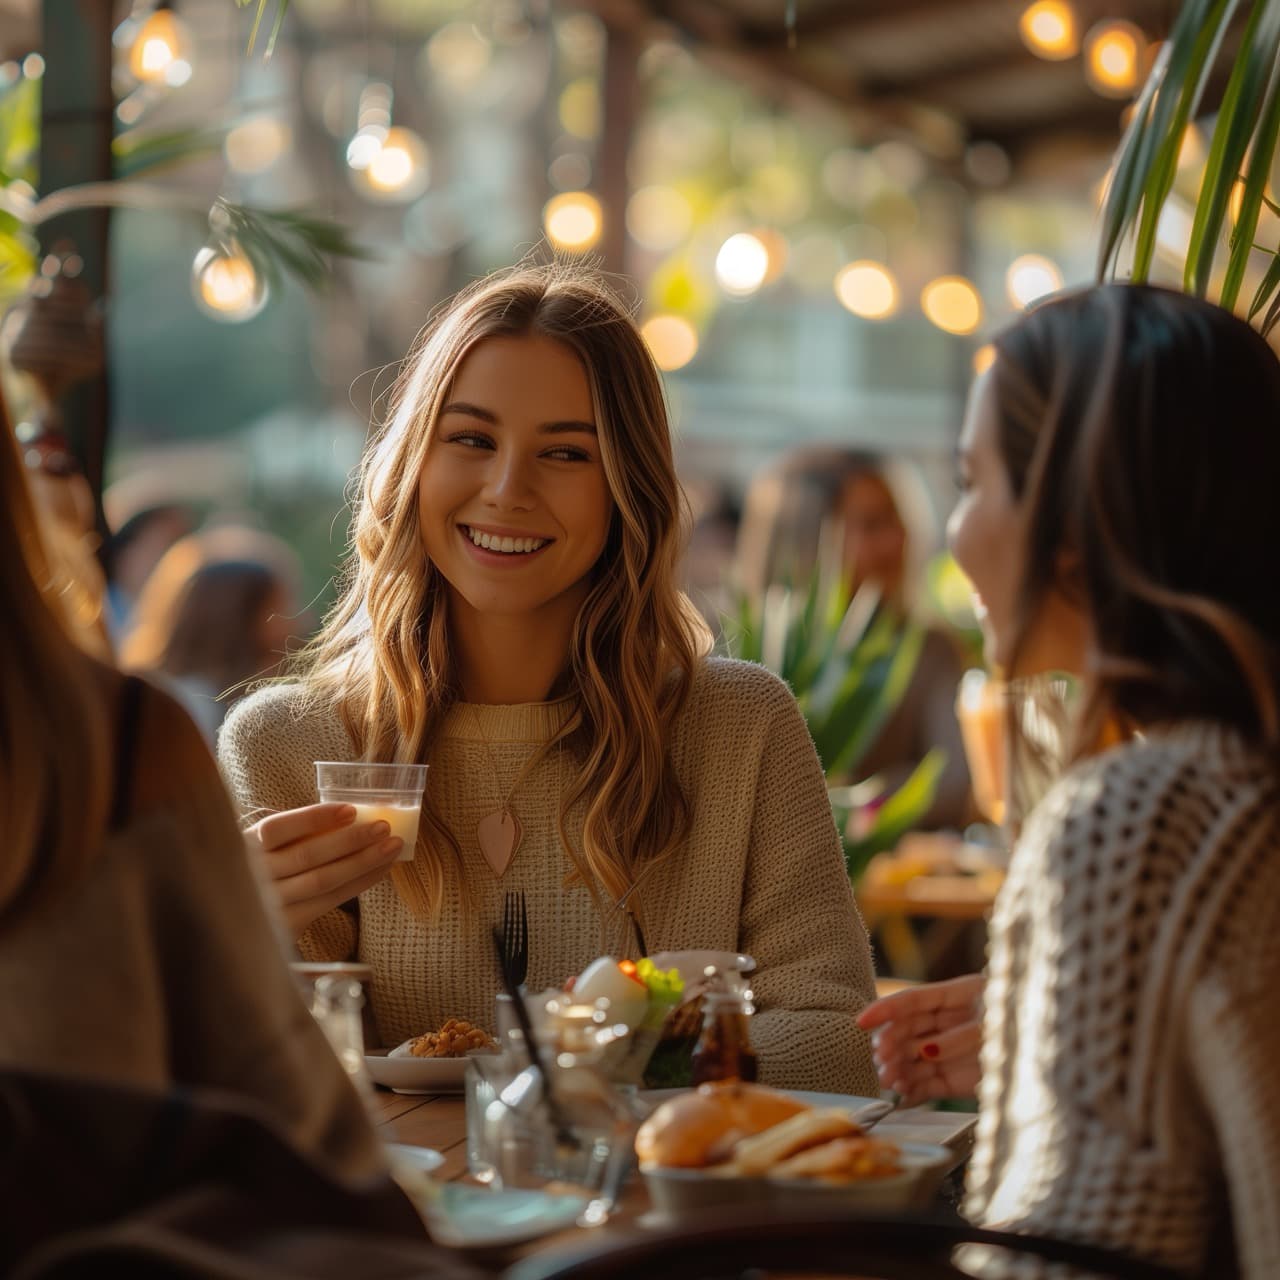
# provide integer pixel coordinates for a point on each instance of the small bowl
(691, 964)
(681, 1191)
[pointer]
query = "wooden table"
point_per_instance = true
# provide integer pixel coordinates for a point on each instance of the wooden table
(439, 1121)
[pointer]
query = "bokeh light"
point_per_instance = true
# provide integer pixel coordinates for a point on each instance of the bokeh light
(573, 221)
(1048, 29)
(742, 264)
(162, 40)
(672, 340)
(226, 284)
(1112, 57)
(868, 289)
(1031, 277)
(952, 303)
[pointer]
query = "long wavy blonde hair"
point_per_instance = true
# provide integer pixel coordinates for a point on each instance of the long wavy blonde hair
(383, 656)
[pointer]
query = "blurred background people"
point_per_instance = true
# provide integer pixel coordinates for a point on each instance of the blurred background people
(831, 505)
(219, 609)
(133, 551)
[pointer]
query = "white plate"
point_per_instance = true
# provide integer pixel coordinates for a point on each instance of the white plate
(464, 1217)
(417, 1159)
(416, 1075)
(849, 1101)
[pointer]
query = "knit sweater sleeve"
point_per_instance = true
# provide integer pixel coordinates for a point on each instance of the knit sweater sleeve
(1231, 1042)
(267, 749)
(800, 922)
(1126, 1078)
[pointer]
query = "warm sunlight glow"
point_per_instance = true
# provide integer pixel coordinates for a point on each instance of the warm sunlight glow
(742, 264)
(672, 340)
(867, 289)
(1112, 55)
(1048, 29)
(573, 221)
(1031, 277)
(952, 303)
(162, 40)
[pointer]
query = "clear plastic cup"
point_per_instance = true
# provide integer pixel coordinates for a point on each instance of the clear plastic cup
(390, 793)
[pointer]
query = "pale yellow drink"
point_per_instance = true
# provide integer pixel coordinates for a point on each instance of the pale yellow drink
(402, 819)
(390, 793)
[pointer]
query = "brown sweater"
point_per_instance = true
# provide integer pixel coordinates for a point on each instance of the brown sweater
(160, 965)
(761, 870)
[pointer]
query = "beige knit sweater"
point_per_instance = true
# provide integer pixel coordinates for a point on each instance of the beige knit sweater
(1131, 1094)
(761, 870)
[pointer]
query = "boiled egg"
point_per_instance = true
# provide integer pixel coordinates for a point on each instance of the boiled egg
(628, 997)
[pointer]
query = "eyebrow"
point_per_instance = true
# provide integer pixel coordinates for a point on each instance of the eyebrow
(570, 426)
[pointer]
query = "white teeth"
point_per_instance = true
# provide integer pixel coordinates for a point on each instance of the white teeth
(508, 546)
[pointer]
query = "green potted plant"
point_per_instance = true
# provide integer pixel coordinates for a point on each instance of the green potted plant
(849, 663)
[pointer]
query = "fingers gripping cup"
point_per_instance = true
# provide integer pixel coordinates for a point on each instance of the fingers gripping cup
(390, 793)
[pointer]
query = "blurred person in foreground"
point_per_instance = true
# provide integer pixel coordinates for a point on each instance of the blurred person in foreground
(821, 497)
(135, 948)
(1118, 464)
(219, 610)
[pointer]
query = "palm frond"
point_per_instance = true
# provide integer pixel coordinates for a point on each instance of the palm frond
(280, 242)
(1241, 106)
(138, 151)
(282, 7)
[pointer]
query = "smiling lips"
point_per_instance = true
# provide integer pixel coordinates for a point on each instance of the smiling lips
(503, 544)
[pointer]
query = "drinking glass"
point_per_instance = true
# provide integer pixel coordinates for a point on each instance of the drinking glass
(335, 995)
(390, 793)
(981, 709)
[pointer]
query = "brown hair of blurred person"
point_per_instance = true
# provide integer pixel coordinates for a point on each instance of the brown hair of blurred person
(54, 800)
(223, 621)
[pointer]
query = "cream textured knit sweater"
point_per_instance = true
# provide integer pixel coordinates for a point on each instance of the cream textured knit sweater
(761, 870)
(1131, 1093)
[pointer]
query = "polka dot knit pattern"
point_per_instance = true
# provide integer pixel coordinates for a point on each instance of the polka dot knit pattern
(761, 870)
(1130, 1093)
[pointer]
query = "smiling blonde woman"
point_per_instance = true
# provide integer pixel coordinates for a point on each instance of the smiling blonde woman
(510, 617)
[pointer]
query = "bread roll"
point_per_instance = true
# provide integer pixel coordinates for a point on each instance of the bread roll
(760, 1153)
(700, 1128)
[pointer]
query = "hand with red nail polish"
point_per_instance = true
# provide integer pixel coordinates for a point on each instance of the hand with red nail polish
(927, 1039)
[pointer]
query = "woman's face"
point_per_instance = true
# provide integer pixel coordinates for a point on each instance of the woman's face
(513, 504)
(874, 538)
(988, 537)
(985, 531)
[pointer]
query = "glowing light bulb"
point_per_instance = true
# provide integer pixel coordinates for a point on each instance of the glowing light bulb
(952, 303)
(867, 289)
(573, 221)
(1030, 277)
(227, 285)
(394, 167)
(162, 41)
(672, 341)
(742, 264)
(1048, 29)
(1112, 56)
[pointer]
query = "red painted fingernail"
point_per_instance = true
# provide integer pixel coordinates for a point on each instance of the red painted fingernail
(929, 1050)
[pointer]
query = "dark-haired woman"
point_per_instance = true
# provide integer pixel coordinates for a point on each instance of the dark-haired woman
(1118, 464)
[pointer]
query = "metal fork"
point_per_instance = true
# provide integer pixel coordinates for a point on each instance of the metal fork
(515, 937)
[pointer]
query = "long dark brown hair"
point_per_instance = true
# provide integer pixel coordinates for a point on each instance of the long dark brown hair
(1140, 428)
